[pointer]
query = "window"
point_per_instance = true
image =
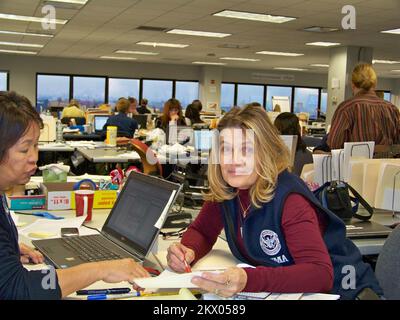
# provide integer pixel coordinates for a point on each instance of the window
(247, 93)
(3, 81)
(157, 92)
(186, 92)
(306, 100)
(387, 96)
(276, 91)
(227, 96)
(89, 91)
(324, 101)
(52, 91)
(118, 88)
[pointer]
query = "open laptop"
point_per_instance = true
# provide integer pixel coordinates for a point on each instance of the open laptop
(131, 228)
(99, 121)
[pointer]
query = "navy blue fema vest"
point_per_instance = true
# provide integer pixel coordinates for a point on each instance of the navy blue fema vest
(265, 244)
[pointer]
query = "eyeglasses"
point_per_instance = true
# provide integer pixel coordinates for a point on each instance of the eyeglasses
(174, 235)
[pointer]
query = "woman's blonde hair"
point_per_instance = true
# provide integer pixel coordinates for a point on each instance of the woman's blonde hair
(122, 105)
(271, 156)
(364, 77)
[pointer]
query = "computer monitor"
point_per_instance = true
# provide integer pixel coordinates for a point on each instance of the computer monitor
(203, 140)
(99, 121)
(141, 119)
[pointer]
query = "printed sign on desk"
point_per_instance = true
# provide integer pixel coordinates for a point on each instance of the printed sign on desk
(59, 200)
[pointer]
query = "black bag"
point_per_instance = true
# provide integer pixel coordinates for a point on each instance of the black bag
(335, 196)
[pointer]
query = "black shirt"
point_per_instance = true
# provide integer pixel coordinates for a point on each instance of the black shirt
(15, 281)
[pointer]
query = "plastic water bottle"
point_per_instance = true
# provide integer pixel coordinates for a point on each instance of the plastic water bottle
(59, 131)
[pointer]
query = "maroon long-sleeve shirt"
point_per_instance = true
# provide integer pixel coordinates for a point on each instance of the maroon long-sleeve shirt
(303, 229)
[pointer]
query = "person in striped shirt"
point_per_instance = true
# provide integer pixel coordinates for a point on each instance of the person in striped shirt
(364, 117)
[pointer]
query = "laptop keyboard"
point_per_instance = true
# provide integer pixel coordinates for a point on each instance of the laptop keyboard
(90, 248)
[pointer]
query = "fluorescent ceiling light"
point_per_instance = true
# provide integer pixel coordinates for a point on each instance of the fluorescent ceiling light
(395, 71)
(26, 34)
(290, 69)
(319, 65)
(210, 63)
(162, 44)
(21, 44)
(199, 33)
(18, 52)
(118, 58)
(253, 16)
(286, 54)
(385, 61)
(29, 18)
(239, 59)
(147, 53)
(393, 31)
(323, 44)
(70, 1)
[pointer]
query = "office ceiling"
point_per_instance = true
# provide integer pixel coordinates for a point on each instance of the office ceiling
(101, 27)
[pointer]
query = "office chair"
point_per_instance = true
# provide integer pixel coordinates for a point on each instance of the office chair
(142, 149)
(387, 268)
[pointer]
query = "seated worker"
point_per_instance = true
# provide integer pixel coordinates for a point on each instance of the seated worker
(272, 221)
(20, 126)
(192, 115)
(73, 111)
(132, 106)
(288, 124)
(143, 109)
(197, 104)
(126, 126)
(172, 114)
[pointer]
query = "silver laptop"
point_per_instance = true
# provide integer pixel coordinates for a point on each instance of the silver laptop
(129, 232)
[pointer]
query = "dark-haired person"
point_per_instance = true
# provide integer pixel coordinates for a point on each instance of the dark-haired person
(172, 115)
(143, 109)
(126, 126)
(271, 219)
(192, 115)
(288, 124)
(364, 117)
(20, 126)
(197, 104)
(133, 106)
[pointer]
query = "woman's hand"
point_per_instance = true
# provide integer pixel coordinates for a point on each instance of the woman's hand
(176, 256)
(225, 284)
(175, 117)
(29, 254)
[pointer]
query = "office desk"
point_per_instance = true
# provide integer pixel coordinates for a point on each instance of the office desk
(85, 136)
(102, 155)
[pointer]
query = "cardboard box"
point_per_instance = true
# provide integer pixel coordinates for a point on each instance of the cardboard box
(60, 196)
(36, 202)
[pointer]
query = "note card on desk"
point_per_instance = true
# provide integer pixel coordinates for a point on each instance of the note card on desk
(169, 279)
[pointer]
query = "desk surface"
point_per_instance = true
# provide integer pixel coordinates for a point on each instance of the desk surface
(102, 155)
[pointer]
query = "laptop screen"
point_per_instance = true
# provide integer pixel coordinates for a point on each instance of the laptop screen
(136, 211)
(99, 122)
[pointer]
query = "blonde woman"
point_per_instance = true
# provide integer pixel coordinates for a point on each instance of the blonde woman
(365, 116)
(271, 220)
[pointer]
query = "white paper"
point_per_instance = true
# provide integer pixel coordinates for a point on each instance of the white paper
(289, 296)
(356, 150)
(169, 279)
(322, 168)
(319, 296)
(50, 228)
(161, 219)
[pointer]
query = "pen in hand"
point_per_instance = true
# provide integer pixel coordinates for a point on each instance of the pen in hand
(187, 267)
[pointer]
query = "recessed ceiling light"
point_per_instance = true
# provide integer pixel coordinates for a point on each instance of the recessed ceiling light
(385, 61)
(147, 53)
(118, 58)
(320, 65)
(210, 63)
(29, 18)
(290, 69)
(162, 44)
(21, 44)
(323, 44)
(18, 51)
(395, 71)
(253, 16)
(70, 1)
(199, 33)
(286, 54)
(26, 33)
(239, 59)
(393, 31)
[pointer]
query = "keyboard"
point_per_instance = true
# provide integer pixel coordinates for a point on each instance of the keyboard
(91, 248)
